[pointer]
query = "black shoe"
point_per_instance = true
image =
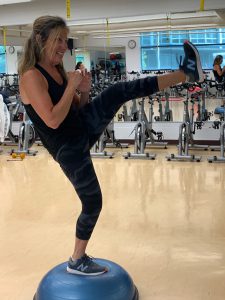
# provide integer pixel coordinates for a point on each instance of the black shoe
(85, 266)
(192, 64)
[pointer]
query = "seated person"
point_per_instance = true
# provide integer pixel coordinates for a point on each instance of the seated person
(218, 71)
(79, 66)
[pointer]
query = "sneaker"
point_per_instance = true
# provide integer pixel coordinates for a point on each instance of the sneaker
(191, 63)
(85, 266)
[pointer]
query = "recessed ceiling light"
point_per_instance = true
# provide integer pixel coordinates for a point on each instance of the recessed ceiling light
(6, 2)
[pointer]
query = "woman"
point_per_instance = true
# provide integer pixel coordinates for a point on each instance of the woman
(69, 126)
(219, 73)
(79, 66)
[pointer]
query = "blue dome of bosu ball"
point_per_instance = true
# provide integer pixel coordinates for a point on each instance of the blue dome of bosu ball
(116, 284)
(219, 110)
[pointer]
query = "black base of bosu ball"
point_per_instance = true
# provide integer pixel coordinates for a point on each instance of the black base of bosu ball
(116, 284)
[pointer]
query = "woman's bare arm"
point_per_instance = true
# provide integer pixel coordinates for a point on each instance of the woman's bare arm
(34, 91)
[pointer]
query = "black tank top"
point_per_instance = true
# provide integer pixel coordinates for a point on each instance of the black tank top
(53, 139)
(218, 78)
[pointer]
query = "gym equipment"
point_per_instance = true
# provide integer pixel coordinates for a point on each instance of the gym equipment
(13, 104)
(184, 135)
(4, 120)
(158, 99)
(107, 139)
(152, 142)
(206, 85)
(116, 284)
(220, 158)
(220, 88)
(142, 133)
(202, 116)
(26, 137)
(98, 149)
(186, 132)
(17, 157)
(110, 140)
(21, 155)
(220, 110)
(133, 114)
(202, 113)
(167, 114)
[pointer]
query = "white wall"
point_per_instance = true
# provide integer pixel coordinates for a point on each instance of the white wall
(133, 56)
(69, 61)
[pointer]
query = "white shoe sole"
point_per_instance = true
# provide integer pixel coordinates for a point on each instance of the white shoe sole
(76, 272)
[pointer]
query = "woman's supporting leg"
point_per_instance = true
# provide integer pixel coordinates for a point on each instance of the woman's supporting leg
(79, 248)
(78, 167)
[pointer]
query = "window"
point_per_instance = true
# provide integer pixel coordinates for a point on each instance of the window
(80, 57)
(162, 50)
(2, 59)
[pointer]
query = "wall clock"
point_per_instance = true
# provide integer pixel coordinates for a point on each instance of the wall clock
(131, 44)
(11, 49)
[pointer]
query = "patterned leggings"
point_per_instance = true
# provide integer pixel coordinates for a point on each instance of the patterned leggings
(74, 157)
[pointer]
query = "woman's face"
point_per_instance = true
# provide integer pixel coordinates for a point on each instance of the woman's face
(56, 46)
(81, 67)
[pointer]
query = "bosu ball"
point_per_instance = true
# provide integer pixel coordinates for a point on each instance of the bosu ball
(116, 284)
(219, 110)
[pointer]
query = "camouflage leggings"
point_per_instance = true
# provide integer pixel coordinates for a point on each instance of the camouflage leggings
(74, 157)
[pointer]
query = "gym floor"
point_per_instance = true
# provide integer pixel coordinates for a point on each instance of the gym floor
(162, 221)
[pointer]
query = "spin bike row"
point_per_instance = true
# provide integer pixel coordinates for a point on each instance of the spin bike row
(140, 125)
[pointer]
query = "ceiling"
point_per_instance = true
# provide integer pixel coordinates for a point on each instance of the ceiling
(105, 19)
(131, 26)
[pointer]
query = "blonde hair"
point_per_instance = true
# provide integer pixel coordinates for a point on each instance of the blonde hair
(218, 60)
(44, 27)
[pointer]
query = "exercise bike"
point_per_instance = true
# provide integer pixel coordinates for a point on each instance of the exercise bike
(186, 131)
(167, 114)
(220, 158)
(142, 134)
